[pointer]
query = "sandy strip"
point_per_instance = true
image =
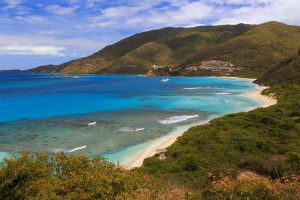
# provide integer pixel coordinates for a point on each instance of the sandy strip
(136, 160)
(264, 101)
(236, 78)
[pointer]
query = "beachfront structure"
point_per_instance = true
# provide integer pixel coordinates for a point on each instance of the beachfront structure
(155, 67)
(214, 66)
(160, 70)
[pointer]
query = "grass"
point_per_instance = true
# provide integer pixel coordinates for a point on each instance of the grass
(286, 70)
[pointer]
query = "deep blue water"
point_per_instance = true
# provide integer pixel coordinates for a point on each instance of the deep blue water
(51, 111)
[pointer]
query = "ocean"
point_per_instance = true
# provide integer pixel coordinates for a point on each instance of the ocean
(108, 115)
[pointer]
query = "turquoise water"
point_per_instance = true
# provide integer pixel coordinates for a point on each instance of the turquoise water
(52, 112)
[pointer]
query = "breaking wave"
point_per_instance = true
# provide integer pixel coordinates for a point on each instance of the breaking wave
(222, 93)
(199, 88)
(176, 119)
(129, 129)
(68, 150)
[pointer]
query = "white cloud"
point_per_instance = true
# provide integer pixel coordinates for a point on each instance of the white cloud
(31, 50)
(120, 11)
(259, 11)
(60, 10)
(185, 15)
(159, 13)
(13, 3)
(45, 45)
(32, 19)
(148, 15)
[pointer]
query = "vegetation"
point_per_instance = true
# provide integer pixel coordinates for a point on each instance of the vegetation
(44, 176)
(249, 186)
(286, 70)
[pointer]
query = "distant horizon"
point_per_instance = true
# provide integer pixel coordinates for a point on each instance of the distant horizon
(34, 33)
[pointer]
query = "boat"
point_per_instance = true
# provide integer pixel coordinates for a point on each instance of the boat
(92, 124)
(165, 79)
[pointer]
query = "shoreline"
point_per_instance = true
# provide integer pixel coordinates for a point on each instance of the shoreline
(236, 78)
(265, 101)
(137, 158)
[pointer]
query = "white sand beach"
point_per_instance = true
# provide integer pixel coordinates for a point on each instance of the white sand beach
(236, 78)
(136, 160)
(265, 101)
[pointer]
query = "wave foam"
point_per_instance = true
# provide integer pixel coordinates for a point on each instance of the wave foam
(129, 129)
(69, 150)
(92, 124)
(176, 119)
(222, 93)
(199, 88)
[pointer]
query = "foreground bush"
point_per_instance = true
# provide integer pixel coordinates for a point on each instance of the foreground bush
(44, 176)
(251, 186)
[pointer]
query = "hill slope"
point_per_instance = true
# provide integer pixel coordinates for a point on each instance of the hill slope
(167, 46)
(286, 70)
(257, 50)
(254, 49)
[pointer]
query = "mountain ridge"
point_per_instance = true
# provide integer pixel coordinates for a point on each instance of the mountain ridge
(252, 49)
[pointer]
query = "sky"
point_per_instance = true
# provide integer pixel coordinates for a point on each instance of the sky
(38, 32)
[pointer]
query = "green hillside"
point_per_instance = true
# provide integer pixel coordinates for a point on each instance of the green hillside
(253, 49)
(257, 50)
(167, 46)
(286, 70)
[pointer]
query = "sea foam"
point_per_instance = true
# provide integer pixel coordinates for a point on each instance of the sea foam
(68, 150)
(129, 129)
(223, 93)
(92, 124)
(176, 119)
(199, 88)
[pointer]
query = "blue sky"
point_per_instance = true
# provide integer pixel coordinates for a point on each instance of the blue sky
(35, 32)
